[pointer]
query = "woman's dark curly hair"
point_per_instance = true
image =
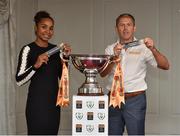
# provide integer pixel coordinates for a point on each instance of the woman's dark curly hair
(41, 15)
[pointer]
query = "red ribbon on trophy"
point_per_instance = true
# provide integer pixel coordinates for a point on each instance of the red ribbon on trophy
(117, 89)
(63, 93)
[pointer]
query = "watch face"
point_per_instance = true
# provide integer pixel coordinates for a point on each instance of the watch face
(78, 127)
(78, 104)
(89, 115)
(101, 128)
(101, 104)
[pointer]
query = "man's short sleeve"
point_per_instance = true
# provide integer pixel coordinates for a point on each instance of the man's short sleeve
(149, 57)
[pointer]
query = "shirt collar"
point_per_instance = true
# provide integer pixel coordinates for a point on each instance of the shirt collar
(134, 39)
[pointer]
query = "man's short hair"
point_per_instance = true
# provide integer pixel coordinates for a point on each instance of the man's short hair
(125, 15)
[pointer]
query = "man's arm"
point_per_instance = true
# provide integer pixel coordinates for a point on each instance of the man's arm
(108, 69)
(117, 50)
(110, 66)
(161, 60)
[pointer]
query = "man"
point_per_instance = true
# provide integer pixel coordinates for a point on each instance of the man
(134, 61)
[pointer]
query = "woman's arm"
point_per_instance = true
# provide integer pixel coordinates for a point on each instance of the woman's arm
(24, 70)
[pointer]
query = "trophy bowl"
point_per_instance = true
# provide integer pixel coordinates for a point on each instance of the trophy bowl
(90, 65)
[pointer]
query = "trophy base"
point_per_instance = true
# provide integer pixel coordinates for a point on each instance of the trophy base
(90, 90)
(90, 94)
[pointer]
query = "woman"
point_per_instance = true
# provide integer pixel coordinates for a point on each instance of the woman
(44, 72)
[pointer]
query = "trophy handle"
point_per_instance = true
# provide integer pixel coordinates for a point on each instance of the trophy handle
(75, 64)
(106, 64)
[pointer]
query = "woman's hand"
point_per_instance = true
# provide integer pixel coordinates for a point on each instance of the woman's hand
(43, 58)
(66, 49)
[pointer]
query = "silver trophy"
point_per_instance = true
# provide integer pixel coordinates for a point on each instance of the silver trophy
(90, 65)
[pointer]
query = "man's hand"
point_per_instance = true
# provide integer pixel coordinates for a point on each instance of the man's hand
(161, 60)
(117, 49)
(149, 43)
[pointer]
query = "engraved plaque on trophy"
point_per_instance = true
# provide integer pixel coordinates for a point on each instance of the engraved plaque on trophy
(101, 116)
(90, 116)
(79, 115)
(78, 127)
(101, 104)
(90, 65)
(90, 104)
(89, 128)
(101, 128)
(78, 104)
